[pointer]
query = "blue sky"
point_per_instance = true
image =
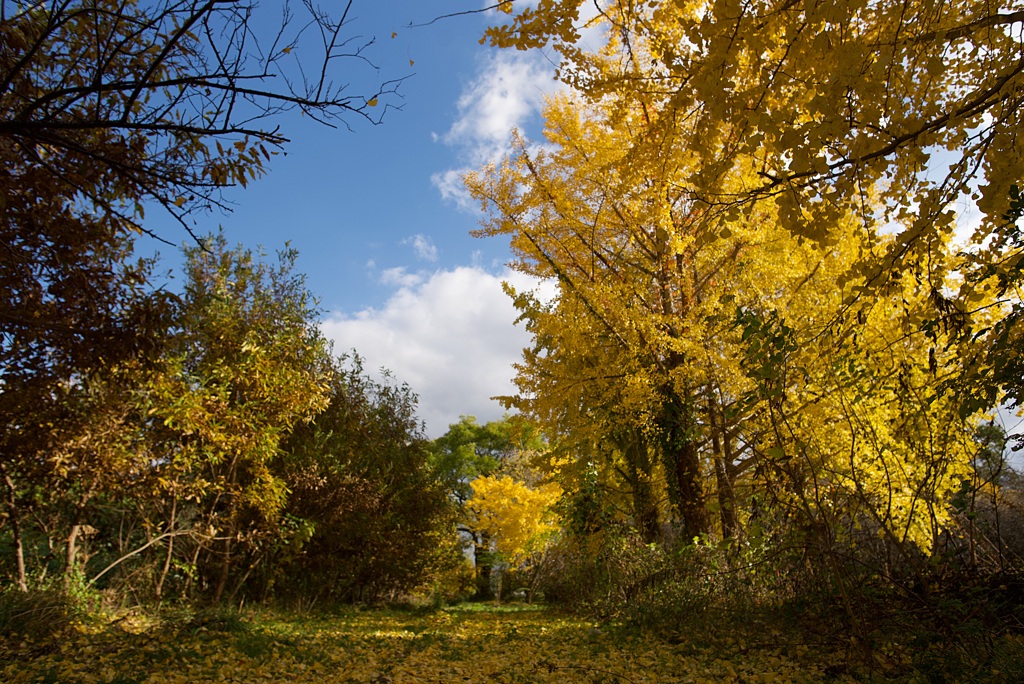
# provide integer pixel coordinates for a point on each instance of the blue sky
(378, 215)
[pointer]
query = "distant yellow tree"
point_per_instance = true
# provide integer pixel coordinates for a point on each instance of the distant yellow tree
(518, 518)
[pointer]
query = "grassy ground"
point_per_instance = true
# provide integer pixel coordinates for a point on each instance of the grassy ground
(472, 644)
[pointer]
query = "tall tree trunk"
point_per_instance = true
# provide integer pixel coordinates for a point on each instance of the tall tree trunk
(678, 431)
(225, 571)
(482, 561)
(158, 590)
(15, 518)
(71, 552)
(692, 507)
(726, 500)
(193, 568)
(71, 549)
(232, 523)
(722, 452)
(19, 553)
(639, 476)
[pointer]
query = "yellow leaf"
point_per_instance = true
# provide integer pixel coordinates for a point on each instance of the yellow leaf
(180, 202)
(372, 102)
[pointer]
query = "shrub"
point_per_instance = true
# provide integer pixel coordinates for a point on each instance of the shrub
(47, 610)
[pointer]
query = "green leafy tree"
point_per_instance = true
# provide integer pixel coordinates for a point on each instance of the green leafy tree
(107, 109)
(468, 450)
(247, 364)
(373, 519)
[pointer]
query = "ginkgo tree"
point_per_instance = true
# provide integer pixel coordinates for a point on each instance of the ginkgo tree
(895, 112)
(637, 356)
(696, 347)
(518, 519)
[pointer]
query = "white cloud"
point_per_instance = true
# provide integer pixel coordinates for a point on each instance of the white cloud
(400, 277)
(510, 87)
(449, 183)
(424, 247)
(450, 336)
(508, 91)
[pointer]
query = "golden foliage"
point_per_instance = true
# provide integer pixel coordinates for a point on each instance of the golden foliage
(518, 518)
(756, 276)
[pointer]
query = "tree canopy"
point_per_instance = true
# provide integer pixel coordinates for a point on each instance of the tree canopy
(890, 112)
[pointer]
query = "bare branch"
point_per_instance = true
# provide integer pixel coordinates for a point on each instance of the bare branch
(497, 5)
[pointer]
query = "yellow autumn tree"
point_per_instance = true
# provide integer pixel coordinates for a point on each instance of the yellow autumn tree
(896, 112)
(517, 518)
(698, 349)
(636, 359)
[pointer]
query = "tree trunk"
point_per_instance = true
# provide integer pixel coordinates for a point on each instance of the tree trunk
(482, 561)
(692, 507)
(645, 511)
(19, 553)
(225, 571)
(158, 590)
(682, 463)
(19, 549)
(723, 460)
(232, 508)
(726, 501)
(193, 568)
(15, 531)
(639, 476)
(71, 551)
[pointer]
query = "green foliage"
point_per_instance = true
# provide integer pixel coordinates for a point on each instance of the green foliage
(48, 609)
(378, 521)
(469, 450)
